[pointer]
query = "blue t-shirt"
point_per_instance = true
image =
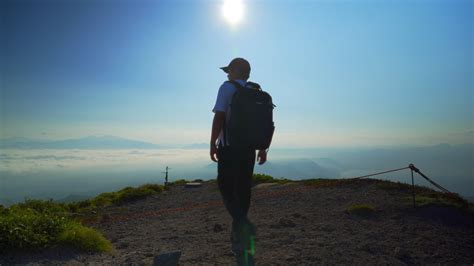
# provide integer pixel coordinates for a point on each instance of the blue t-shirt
(224, 98)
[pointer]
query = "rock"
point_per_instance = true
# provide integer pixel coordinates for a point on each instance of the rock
(402, 255)
(327, 228)
(105, 218)
(167, 259)
(122, 245)
(218, 228)
(193, 185)
(286, 222)
(296, 215)
(396, 251)
(264, 185)
(146, 261)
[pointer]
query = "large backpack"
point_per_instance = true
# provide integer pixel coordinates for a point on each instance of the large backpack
(250, 124)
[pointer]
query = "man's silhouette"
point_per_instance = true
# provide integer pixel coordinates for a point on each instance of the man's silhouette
(235, 165)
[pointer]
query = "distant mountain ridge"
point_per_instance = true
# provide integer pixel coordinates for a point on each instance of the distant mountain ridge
(196, 146)
(89, 142)
(298, 168)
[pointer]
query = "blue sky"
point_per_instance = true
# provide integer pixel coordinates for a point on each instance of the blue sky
(342, 73)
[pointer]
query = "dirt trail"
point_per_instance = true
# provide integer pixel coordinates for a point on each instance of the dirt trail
(296, 225)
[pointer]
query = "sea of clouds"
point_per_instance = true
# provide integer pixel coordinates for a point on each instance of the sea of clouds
(81, 173)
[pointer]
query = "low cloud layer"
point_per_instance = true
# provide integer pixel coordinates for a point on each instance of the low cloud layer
(22, 161)
(60, 173)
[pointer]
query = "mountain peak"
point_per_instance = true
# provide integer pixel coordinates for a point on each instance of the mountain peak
(89, 142)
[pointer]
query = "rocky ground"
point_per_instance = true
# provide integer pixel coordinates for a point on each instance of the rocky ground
(297, 225)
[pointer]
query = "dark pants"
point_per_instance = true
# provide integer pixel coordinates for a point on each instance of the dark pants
(235, 170)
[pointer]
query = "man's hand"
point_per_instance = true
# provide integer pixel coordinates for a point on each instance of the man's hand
(262, 157)
(217, 125)
(213, 153)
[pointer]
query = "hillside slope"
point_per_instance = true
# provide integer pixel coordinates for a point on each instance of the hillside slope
(297, 224)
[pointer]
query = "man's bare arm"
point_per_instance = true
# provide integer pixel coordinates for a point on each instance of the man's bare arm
(261, 156)
(217, 125)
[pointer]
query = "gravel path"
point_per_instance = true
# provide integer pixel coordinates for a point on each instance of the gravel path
(296, 225)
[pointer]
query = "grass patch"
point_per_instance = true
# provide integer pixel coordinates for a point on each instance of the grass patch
(262, 178)
(88, 210)
(424, 195)
(421, 200)
(324, 182)
(122, 196)
(393, 186)
(43, 206)
(130, 194)
(38, 224)
(179, 182)
(28, 229)
(438, 198)
(361, 210)
(84, 238)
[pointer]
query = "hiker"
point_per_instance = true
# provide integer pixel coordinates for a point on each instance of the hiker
(235, 162)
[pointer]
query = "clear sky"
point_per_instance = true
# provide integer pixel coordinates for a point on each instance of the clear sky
(342, 73)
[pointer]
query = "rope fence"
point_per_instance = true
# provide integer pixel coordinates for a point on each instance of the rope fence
(412, 169)
(120, 216)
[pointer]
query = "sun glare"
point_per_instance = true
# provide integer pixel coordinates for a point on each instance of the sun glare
(233, 11)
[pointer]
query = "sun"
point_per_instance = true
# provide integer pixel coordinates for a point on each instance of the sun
(233, 11)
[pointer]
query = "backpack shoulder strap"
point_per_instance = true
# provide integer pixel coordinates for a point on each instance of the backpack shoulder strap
(238, 87)
(253, 85)
(236, 84)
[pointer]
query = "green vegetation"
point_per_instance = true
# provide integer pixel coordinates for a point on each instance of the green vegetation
(27, 228)
(179, 182)
(84, 238)
(37, 224)
(361, 210)
(438, 198)
(116, 198)
(262, 178)
(324, 182)
(212, 181)
(393, 186)
(424, 195)
(182, 182)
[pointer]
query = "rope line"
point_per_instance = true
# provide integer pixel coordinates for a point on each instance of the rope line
(412, 168)
(120, 216)
(379, 173)
(416, 170)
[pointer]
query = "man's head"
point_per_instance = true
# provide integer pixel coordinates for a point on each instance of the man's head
(238, 68)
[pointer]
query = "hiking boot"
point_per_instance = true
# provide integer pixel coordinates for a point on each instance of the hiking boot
(244, 259)
(247, 239)
(236, 243)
